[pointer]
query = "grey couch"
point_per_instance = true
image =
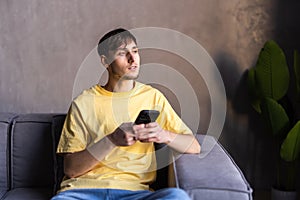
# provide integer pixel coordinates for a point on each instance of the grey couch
(30, 169)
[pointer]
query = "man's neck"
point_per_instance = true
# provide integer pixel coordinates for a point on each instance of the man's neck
(120, 85)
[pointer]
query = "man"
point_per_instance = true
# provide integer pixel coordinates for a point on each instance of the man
(106, 155)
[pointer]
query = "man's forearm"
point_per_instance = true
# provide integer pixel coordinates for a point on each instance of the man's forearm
(152, 132)
(100, 149)
(78, 163)
(184, 143)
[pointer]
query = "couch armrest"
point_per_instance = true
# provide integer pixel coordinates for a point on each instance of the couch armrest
(212, 174)
(6, 120)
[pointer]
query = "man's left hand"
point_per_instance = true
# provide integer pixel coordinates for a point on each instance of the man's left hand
(151, 132)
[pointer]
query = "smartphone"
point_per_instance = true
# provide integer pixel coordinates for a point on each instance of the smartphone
(147, 116)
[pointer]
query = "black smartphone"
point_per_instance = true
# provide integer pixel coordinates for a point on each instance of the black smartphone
(146, 116)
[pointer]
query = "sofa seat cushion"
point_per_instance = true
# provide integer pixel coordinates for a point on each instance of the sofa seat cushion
(2, 192)
(217, 177)
(29, 193)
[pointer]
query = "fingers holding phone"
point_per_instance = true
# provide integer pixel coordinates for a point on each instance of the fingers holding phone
(152, 132)
(144, 129)
(123, 135)
(147, 132)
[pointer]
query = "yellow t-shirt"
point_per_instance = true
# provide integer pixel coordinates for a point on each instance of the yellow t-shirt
(96, 113)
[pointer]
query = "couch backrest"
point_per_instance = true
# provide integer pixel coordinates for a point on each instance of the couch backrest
(31, 151)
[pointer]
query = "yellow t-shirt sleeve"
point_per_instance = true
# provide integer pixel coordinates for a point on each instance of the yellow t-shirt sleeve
(74, 133)
(170, 120)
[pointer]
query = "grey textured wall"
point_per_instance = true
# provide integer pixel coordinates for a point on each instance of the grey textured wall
(43, 43)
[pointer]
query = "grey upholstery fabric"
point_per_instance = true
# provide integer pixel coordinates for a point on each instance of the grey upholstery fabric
(2, 192)
(5, 126)
(31, 151)
(212, 174)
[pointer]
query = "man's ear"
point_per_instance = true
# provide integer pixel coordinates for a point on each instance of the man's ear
(104, 61)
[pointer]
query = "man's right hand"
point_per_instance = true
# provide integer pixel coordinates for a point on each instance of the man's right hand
(123, 135)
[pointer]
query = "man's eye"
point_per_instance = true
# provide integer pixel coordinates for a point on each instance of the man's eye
(135, 51)
(122, 53)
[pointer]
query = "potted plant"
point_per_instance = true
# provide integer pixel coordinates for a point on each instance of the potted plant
(268, 84)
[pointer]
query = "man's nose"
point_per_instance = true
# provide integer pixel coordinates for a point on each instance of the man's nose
(130, 57)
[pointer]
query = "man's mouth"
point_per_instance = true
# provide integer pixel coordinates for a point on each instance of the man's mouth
(132, 67)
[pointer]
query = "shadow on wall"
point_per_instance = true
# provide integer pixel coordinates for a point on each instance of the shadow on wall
(243, 134)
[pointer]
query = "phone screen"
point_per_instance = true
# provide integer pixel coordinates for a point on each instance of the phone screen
(146, 116)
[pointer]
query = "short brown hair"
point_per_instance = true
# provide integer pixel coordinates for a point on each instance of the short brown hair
(114, 39)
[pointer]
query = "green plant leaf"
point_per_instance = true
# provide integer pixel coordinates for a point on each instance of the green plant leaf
(252, 88)
(275, 115)
(290, 148)
(272, 74)
(297, 73)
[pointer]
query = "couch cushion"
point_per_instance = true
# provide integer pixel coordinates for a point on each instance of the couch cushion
(29, 193)
(5, 126)
(212, 174)
(31, 151)
(2, 192)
